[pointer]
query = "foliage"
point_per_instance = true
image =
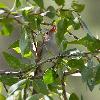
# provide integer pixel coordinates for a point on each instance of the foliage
(36, 76)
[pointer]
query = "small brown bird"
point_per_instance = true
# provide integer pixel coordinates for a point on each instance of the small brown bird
(48, 47)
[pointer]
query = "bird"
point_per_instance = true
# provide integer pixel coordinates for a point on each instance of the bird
(48, 48)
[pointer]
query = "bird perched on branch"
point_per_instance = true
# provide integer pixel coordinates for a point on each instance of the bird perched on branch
(48, 47)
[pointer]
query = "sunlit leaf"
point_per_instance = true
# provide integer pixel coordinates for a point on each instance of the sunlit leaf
(2, 97)
(1, 87)
(49, 76)
(2, 5)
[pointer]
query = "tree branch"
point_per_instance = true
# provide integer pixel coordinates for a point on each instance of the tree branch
(63, 88)
(2, 72)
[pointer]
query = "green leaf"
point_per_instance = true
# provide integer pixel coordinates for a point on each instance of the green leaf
(39, 86)
(2, 97)
(40, 3)
(88, 74)
(91, 43)
(20, 84)
(18, 3)
(53, 87)
(73, 96)
(64, 45)
(8, 80)
(49, 76)
(17, 49)
(2, 5)
(66, 13)
(24, 40)
(34, 21)
(77, 6)
(76, 24)
(7, 29)
(61, 30)
(10, 97)
(76, 63)
(97, 77)
(14, 45)
(35, 97)
(60, 2)
(18, 95)
(52, 12)
(6, 26)
(12, 61)
(28, 54)
(1, 87)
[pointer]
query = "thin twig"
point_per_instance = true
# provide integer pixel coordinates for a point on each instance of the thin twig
(98, 59)
(73, 35)
(49, 60)
(5, 87)
(64, 88)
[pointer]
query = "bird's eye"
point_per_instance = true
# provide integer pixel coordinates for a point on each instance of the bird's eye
(47, 33)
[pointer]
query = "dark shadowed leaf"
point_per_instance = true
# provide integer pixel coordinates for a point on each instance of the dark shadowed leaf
(77, 6)
(24, 40)
(61, 30)
(40, 3)
(12, 61)
(76, 63)
(8, 80)
(88, 75)
(18, 3)
(73, 96)
(39, 86)
(52, 12)
(14, 45)
(97, 77)
(60, 2)
(66, 13)
(35, 97)
(91, 43)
